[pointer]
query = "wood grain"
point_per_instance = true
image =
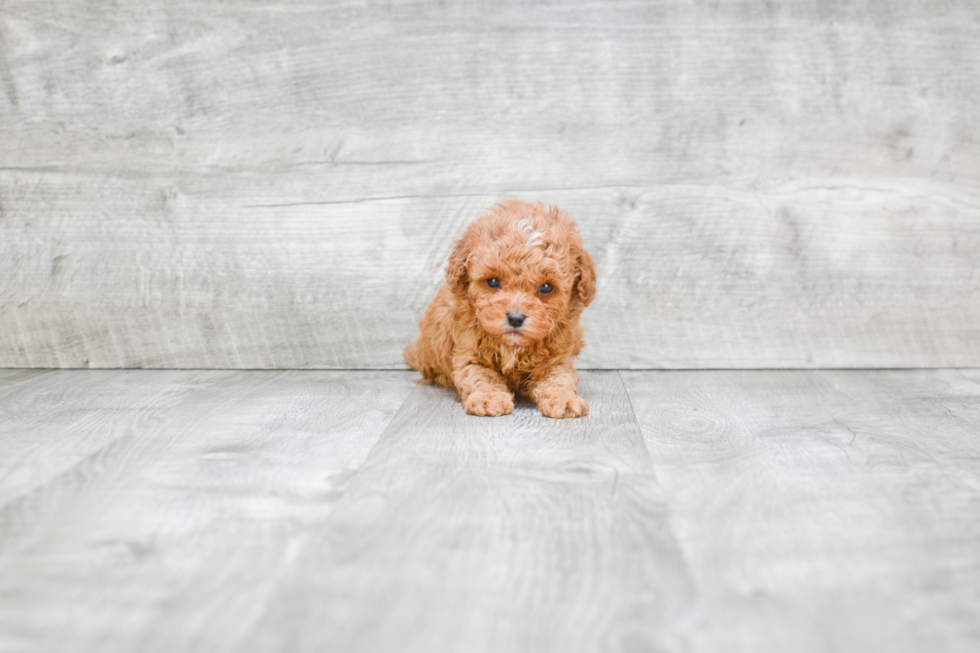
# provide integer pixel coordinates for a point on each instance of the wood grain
(276, 185)
(51, 422)
(256, 520)
(357, 511)
(215, 489)
(822, 511)
(517, 533)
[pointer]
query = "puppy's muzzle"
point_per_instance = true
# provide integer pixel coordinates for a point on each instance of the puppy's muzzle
(516, 319)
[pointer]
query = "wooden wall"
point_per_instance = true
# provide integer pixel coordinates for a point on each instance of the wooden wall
(263, 184)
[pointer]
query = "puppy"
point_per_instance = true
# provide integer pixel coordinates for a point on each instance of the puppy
(507, 318)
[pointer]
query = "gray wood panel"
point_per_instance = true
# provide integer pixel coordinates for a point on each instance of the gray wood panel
(250, 522)
(973, 374)
(208, 495)
(270, 185)
(357, 511)
(51, 422)
(822, 511)
(518, 533)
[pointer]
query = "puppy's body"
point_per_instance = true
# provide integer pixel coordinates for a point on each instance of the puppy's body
(507, 318)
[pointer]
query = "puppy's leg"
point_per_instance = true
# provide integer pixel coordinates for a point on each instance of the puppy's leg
(554, 393)
(482, 390)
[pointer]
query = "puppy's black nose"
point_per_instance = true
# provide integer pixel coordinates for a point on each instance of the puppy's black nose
(515, 319)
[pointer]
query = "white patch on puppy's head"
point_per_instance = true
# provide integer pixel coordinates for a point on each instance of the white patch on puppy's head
(531, 235)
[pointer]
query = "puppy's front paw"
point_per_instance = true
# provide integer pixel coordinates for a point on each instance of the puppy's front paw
(489, 403)
(563, 405)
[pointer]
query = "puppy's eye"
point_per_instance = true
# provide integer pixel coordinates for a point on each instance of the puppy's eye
(493, 283)
(545, 288)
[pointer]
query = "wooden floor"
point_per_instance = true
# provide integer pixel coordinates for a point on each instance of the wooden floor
(363, 511)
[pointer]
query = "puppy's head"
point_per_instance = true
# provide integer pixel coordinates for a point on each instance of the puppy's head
(523, 269)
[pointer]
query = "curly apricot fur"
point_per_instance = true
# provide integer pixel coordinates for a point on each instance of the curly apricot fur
(466, 340)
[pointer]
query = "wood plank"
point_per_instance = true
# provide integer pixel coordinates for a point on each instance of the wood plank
(822, 511)
(51, 421)
(549, 94)
(249, 522)
(689, 277)
(517, 533)
(972, 374)
(217, 490)
(205, 185)
(927, 415)
(804, 511)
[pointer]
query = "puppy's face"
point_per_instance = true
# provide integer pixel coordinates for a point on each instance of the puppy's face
(523, 269)
(517, 301)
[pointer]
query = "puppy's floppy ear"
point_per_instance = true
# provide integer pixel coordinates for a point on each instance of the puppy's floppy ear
(584, 291)
(585, 283)
(456, 270)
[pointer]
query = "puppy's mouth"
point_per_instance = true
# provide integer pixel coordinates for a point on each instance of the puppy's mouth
(515, 337)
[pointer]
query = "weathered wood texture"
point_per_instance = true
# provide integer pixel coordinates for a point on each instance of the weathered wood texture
(252, 517)
(518, 533)
(52, 422)
(184, 501)
(732, 512)
(822, 511)
(276, 184)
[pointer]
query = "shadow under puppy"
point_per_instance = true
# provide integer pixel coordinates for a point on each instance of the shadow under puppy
(507, 318)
